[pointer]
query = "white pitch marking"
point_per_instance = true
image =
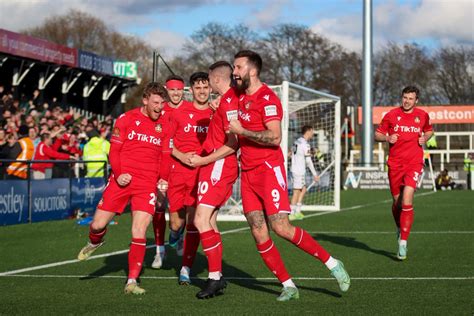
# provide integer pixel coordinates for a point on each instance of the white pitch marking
(56, 264)
(245, 278)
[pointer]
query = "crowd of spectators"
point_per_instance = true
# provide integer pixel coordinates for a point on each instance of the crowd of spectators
(28, 121)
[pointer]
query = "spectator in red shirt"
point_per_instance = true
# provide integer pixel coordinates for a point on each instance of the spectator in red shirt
(45, 152)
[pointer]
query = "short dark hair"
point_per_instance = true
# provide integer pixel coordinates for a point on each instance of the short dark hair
(223, 64)
(198, 76)
(44, 136)
(306, 128)
(252, 57)
(411, 89)
(174, 77)
(219, 64)
(155, 88)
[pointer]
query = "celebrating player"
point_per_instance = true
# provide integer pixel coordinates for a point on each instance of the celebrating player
(218, 174)
(134, 152)
(406, 129)
(175, 88)
(188, 128)
(300, 159)
(263, 187)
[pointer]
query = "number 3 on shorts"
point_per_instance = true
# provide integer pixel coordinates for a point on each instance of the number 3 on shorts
(152, 199)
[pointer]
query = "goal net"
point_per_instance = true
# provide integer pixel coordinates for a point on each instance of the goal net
(305, 106)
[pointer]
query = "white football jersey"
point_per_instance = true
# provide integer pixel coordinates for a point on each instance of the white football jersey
(301, 150)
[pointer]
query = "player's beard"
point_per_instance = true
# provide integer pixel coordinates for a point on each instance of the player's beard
(243, 84)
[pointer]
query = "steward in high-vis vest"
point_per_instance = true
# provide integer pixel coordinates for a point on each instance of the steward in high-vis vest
(19, 168)
(97, 148)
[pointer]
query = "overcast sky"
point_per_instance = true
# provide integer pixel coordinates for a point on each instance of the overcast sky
(166, 24)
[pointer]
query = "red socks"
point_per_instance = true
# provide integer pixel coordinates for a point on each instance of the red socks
(96, 238)
(304, 241)
(396, 213)
(135, 257)
(159, 228)
(406, 220)
(212, 247)
(191, 244)
(272, 259)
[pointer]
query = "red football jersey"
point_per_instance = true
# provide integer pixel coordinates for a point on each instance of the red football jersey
(254, 111)
(216, 135)
(141, 144)
(189, 127)
(409, 127)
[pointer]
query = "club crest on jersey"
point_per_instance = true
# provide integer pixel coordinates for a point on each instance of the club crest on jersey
(116, 132)
(417, 119)
(247, 105)
(158, 128)
(137, 122)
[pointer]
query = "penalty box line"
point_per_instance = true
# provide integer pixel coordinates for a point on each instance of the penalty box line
(61, 263)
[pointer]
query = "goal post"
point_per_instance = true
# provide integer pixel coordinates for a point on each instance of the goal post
(305, 106)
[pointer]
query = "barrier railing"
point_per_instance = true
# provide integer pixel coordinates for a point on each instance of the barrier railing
(32, 200)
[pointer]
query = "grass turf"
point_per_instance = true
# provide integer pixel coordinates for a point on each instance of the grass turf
(440, 250)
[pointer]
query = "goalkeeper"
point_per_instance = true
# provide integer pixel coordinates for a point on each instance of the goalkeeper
(301, 158)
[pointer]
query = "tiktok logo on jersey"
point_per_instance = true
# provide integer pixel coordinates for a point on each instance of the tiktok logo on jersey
(196, 129)
(406, 129)
(144, 138)
(244, 116)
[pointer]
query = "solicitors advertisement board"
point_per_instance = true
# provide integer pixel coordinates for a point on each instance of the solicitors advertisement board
(13, 202)
(50, 199)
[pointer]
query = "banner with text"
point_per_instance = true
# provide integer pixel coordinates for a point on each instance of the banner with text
(50, 199)
(444, 114)
(92, 62)
(379, 179)
(13, 202)
(36, 48)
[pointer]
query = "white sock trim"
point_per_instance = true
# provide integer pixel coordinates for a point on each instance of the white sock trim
(289, 283)
(331, 263)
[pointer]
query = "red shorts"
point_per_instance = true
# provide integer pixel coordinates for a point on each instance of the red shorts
(265, 188)
(141, 194)
(182, 189)
(216, 181)
(404, 175)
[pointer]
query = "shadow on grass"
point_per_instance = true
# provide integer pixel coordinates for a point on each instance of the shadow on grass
(352, 242)
(119, 263)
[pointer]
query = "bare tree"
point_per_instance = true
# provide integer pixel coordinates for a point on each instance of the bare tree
(455, 74)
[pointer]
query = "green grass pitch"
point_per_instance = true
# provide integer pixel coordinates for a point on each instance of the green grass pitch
(436, 279)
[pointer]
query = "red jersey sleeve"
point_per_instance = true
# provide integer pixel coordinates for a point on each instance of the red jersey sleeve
(55, 154)
(384, 125)
(427, 127)
(271, 109)
(229, 108)
(169, 134)
(116, 141)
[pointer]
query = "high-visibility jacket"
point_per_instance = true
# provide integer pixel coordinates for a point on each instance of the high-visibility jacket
(96, 149)
(19, 168)
(468, 164)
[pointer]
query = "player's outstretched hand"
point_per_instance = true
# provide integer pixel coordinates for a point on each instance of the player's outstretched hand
(235, 127)
(392, 139)
(124, 179)
(162, 185)
(421, 139)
